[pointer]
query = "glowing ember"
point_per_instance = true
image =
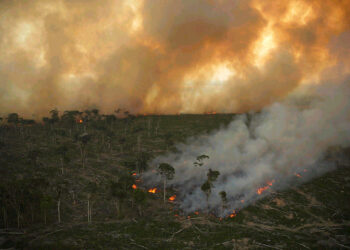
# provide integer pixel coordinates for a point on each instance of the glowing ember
(196, 212)
(80, 121)
(172, 198)
(262, 189)
(152, 190)
(134, 186)
(134, 174)
(297, 175)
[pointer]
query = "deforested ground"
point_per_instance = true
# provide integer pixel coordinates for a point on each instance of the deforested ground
(68, 182)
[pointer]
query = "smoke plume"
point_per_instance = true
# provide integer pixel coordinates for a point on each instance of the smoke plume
(165, 56)
(287, 143)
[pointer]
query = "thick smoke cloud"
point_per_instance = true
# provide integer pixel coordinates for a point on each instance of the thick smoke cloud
(164, 56)
(286, 144)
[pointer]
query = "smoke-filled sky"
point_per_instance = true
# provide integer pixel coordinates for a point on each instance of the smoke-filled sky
(166, 56)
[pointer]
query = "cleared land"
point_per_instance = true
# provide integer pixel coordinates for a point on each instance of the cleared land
(41, 165)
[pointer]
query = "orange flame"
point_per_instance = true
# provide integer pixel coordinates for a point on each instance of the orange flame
(262, 189)
(134, 186)
(172, 198)
(152, 190)
(80, 121)
(196, 212)
(134, 174)
(233, 214)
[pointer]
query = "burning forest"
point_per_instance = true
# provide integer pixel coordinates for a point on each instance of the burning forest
(174, 124)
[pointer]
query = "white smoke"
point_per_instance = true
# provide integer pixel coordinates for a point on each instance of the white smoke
(287, 139)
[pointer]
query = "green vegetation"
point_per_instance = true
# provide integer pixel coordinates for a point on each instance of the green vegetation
(67, 182)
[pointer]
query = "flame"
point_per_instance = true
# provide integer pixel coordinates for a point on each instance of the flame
(172, 198)
(134, 174)
(134, 186)
(196, 212)
(80, 121)
(297, 175)
(234, 214)
(262, 189)
(152, 190)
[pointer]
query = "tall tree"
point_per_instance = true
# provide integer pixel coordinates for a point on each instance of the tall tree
(62, 152)
(167, 172)
(54, 116)
(223, 197)
(212, 176)
(83, 141)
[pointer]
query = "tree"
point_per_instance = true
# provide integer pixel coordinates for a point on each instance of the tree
(208, 184)
(199, 160)
(54, 116)
(13, 118)
(212, 175)
(33, 156)
(59, 187)
(206, 188)
(140, 199)
(83, 140)
(122, 141)
(223, 196)
(62, 151)
(141, 161)
(167, 172)
(119, 194)
(46, 203)
(119, 190)
(91, 190)
(168, 138)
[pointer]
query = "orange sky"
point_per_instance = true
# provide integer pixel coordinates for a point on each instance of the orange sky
(165, 56)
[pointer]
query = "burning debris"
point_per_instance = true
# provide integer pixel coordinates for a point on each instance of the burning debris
(262, 189)
(172, 198)
(134, 186)
(152, 190)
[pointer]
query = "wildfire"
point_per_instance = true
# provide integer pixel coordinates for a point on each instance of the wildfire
(80, 121)
(262, 189)
(134, 186)
(233, 214)
(196, 212)
(134, 174)
(152, 190)
(172, 198)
